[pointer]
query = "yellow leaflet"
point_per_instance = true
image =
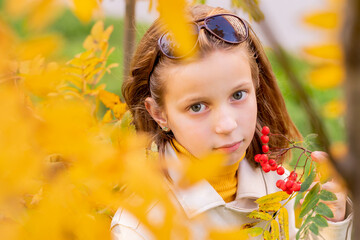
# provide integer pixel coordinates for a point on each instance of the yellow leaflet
(84, 10)
(227, 234)
(267, 235)
(260, 215)
(274, 230)
(248, 225)
(328, 51)
(109, 99)
(43, 14)
(110, 66)
(97, 30)
(253, 232)
(270, 207)
(325, 19)
(328, 76)
(107, 117)
(172, 14)
(44, 45)
(119, 110)
(334, 109)
(273, 197)
(284, 223)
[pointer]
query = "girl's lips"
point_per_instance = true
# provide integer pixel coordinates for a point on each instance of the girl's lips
(229, 148)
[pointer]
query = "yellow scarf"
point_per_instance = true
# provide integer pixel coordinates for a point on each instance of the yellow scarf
(225, 183)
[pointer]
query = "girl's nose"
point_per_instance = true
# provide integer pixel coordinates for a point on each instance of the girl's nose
(225, 123)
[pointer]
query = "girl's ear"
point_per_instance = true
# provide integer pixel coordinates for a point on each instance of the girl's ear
(156, 112)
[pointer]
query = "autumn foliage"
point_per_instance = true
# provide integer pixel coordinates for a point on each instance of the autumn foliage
(63, 169)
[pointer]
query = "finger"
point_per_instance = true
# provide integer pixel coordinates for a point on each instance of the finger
(319, 156)
(332, 186)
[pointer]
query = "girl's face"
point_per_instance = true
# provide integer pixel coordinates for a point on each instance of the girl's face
(210, 104)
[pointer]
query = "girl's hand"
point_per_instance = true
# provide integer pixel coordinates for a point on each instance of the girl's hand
(338, 207)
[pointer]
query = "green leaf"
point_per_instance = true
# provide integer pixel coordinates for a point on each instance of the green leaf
(320, 221)
(305, 208)
(324, 210)
(327, 196)
(311, 199)
(309, 140)
(308, 181)
(314, 228)
(298, 197)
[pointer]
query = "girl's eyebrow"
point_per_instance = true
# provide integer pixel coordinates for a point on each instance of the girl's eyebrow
(194, 99)
(242, 85)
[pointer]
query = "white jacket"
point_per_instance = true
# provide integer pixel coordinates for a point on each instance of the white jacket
(205, 208)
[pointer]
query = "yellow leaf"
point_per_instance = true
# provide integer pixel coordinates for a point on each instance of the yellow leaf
(109, 99)
(248, 225)
(119, 110)
(172, 14)
(112, 65)
(107, 117)
(43, 14)
(334, 109)
(329, 51)
(253, 232)
(41, 45)
(328, 76)
(260, 215)
(270, 207)
(275, 232)
(325, 19)
(97, 31)
(84, 10)
(272, 198)
(284, 223)
(267, 235)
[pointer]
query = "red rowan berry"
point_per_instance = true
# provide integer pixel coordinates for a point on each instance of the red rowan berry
(264, 139)
(272, 162)
(265, 130)
(283, 186)
(296, 187)
(265, 148)
(289, 191)
(264, 158)
(289, 184)
(274, 167)
(279, 183)
(266, 167)
(280, 170)
(257, 157)
(293, 176)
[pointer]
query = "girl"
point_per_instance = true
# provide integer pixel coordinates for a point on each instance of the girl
(215, 99)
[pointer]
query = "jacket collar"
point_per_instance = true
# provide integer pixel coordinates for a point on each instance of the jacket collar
(202, 196)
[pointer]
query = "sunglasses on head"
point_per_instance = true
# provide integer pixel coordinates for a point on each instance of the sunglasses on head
(227, 27)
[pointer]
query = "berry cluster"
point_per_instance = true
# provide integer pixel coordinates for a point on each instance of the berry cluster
(291, 184)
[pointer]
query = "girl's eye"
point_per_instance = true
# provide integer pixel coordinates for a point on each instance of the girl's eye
(238, 95)
(197, 107)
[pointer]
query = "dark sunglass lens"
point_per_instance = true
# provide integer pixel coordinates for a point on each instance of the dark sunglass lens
(227, 27)
(170, 47)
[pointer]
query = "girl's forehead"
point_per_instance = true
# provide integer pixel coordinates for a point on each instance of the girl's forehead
(218, 71)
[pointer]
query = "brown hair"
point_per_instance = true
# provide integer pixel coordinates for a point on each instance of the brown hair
(140, 85)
